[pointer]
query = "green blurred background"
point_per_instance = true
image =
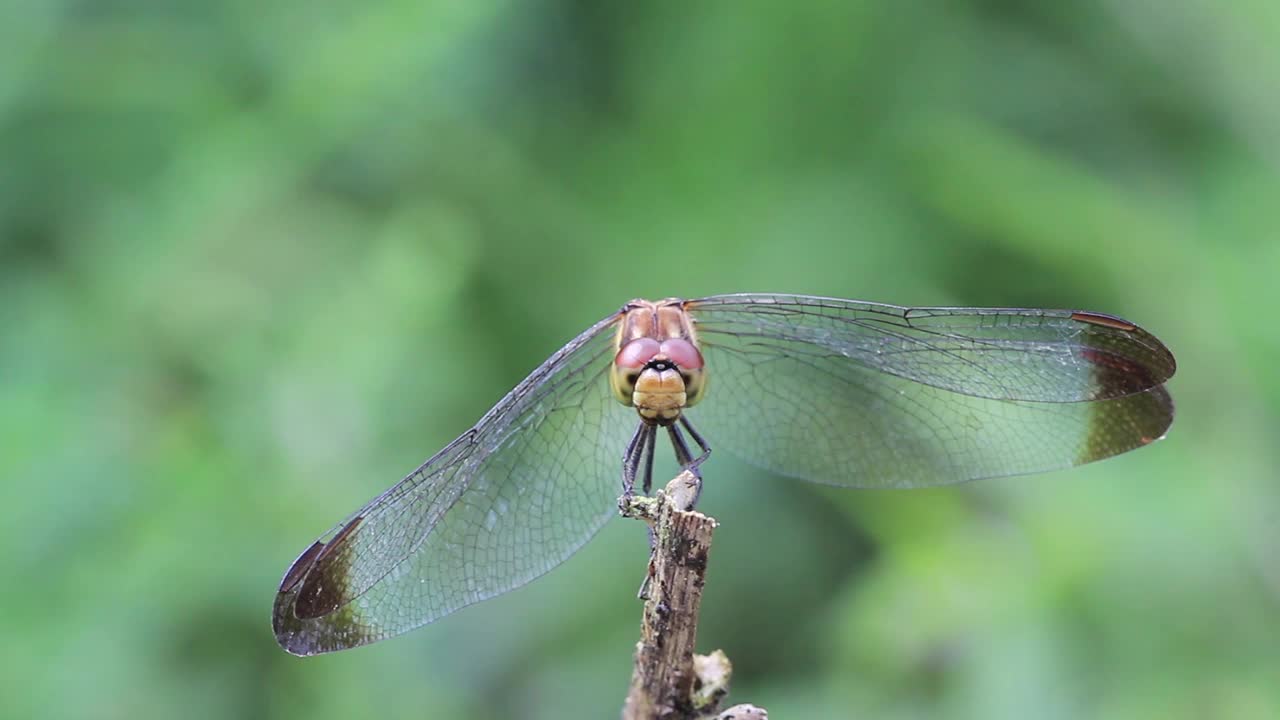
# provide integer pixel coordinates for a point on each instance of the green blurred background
(259, 260)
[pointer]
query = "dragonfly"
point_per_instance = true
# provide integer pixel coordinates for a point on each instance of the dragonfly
(842, 392)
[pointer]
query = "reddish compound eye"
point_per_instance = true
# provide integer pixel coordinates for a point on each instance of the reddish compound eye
(636, 353)
(682, 353)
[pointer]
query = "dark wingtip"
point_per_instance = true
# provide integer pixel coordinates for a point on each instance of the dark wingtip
(292, 637)
(1118, 376)
(314, 586)
(322, 582)
(338, 630)
(299, 568)
(1128, 359)
(284, 624)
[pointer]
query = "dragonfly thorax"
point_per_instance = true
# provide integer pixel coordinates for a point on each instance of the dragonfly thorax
(657, 368)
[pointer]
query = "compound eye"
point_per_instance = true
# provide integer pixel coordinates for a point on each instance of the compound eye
(636, 353)
(682, 353)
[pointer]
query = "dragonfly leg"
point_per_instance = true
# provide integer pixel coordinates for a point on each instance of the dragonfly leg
(697, 438)
(683, 456)
(650, 442)
(688, 462)
(631, 459)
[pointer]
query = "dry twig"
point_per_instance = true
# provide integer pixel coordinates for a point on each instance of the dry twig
(669, 681)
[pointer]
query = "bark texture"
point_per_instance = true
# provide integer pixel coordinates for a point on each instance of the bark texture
(669, 681)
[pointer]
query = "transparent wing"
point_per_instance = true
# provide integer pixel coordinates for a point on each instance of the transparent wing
(869, 395)
(513, 497)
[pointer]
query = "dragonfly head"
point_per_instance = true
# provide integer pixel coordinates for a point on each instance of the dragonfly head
(658, 378)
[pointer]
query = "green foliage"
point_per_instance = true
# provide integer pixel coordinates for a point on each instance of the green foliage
(257, 261)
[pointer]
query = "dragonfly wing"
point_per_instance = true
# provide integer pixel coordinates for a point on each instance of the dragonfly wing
(999, 353)
(507, 501)
(869, 395)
